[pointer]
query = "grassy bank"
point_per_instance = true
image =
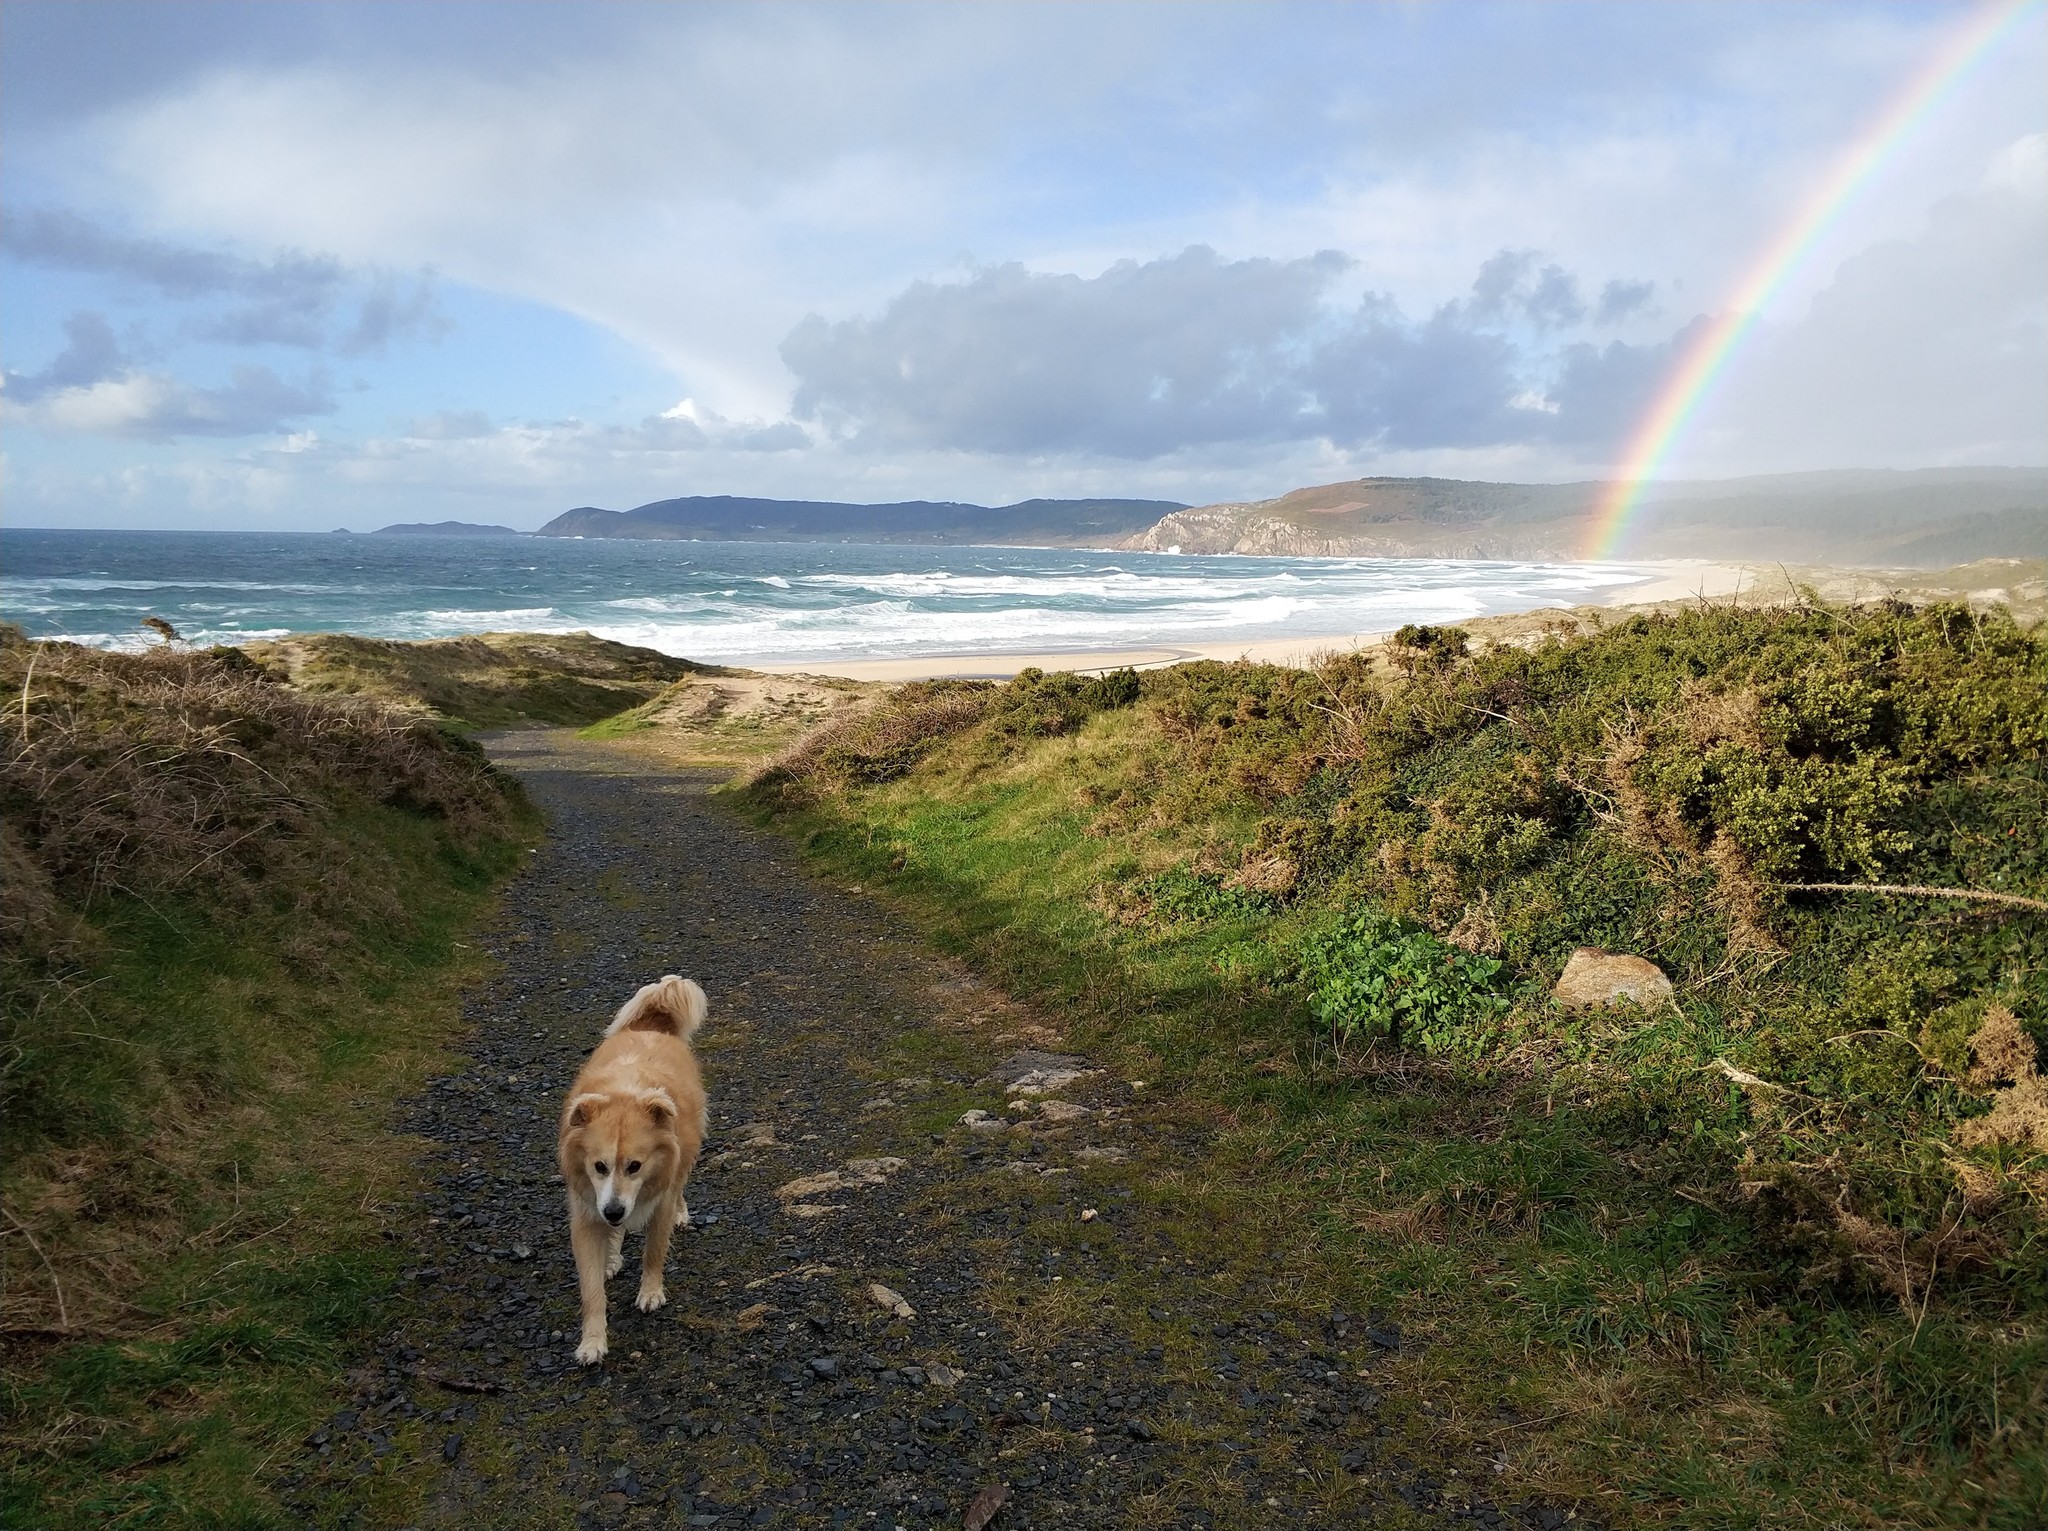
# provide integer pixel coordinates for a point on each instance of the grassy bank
(1769, 1254)
(489, 680)
(232, 917)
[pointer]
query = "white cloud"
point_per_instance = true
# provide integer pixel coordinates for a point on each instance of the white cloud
(156, 407)
(698, 179)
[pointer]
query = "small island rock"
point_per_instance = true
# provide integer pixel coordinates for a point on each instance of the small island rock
(443, 529)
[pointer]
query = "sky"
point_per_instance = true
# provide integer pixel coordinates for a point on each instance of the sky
(299, 266)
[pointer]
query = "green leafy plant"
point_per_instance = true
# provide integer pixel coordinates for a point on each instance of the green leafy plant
(1374, 976)
(1179, 894)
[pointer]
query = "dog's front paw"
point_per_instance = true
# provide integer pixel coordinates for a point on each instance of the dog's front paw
(591, 1351)
(650, 1298)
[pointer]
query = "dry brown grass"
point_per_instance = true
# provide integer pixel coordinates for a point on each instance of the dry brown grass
(197, 789)
(486, 680)
(2004, 1056)
(143, 774)
(734, 718)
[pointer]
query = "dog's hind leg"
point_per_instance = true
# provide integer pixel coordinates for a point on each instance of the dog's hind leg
(682, 1213)
(615, 1253)
(653, 1256)
(592, 1242)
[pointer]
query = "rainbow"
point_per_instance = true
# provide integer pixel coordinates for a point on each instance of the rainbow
(1707, 352)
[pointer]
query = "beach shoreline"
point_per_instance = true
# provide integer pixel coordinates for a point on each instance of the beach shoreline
(1669, 580)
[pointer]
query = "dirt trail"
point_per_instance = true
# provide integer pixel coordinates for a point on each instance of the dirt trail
(1073, 1349)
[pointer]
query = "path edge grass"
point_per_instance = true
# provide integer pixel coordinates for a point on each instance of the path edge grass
(277, 1245)
(237, 936)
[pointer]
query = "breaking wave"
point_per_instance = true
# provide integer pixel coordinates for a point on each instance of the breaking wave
(742, 602)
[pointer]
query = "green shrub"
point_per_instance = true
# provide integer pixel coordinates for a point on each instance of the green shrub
(1179, 894)
(1373, 977)
(1417, 645)
(1112, 689)
(1038, 705)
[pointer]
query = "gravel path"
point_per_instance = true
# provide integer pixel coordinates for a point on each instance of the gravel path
(1066, 1352)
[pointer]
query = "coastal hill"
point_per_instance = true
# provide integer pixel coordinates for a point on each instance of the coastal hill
(1928, 517)
(1923, 517)
(733, 518)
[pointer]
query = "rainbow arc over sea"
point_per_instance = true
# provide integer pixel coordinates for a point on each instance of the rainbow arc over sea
(1707, 353)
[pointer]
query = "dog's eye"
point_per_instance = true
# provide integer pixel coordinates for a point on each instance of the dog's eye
(600, 1169)
(633, 1168)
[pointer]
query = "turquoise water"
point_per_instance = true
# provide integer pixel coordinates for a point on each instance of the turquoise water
(738, 602)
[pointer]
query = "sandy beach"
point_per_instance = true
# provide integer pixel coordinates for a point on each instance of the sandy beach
(1669, 580)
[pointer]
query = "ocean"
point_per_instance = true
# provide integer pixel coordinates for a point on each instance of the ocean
(738, 602)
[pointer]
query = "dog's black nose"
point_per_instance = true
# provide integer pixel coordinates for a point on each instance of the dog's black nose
(614, 1211)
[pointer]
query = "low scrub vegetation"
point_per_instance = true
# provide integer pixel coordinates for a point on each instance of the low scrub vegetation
(1373, 976)
(1793, 1218)
(733, 718)
(486, 681)
(226, 942)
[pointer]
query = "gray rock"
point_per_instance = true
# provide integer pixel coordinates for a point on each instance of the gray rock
(1030, 1072)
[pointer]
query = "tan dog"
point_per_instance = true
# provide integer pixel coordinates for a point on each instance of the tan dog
(631, 1130)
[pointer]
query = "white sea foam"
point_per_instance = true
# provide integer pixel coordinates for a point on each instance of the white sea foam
(754, 602)
(90, 582)
(512, 619)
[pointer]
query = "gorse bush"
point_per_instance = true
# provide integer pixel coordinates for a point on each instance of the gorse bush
(1373, 976)
(1775, 1249)
(1663, 786)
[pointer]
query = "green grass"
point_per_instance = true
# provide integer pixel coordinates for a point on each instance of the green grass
(618, 725)
(228, 1181)
(206, 1026)
(1585, 1216)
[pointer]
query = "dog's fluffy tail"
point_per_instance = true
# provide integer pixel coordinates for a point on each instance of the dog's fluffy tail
(674, 1005)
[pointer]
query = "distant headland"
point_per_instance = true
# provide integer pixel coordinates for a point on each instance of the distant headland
(1927, 518)
(733, 518)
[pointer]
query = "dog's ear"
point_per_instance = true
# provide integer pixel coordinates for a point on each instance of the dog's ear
(661, 1106)
(583, 1108)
